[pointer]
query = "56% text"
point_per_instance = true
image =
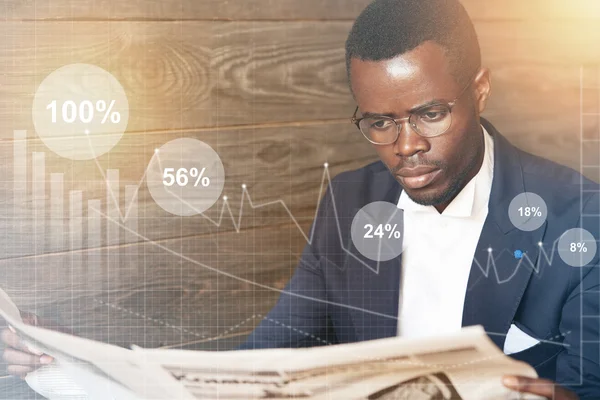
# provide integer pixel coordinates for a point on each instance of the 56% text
(181, 177)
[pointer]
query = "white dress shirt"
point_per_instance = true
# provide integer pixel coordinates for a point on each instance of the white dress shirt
(438, 251)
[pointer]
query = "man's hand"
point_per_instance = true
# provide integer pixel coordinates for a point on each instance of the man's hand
(541, 387)
(21, 359)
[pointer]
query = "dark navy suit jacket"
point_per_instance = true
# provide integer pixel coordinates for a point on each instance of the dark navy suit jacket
(333, 298)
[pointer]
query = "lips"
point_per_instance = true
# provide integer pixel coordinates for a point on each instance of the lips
(419, 177)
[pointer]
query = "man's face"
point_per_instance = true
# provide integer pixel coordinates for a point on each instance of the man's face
(433, 170)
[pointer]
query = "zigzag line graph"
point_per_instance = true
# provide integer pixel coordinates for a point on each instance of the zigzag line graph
(486, 270)
(491, 262)
(226, 213)
(253, 283)
(227, 274)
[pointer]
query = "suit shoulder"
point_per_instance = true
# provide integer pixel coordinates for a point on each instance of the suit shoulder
(562, 187)
(360, 175)
(353, 189)
(554, 175)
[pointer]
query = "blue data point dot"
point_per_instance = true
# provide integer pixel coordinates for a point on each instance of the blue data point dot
(518, 254)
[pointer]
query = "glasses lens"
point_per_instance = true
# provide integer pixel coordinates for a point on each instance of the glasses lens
(432, 121)
(379, 130)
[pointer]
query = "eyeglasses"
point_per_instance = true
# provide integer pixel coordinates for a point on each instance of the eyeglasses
(428, 121)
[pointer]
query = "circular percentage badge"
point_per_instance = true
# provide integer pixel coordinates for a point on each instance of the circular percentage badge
(527, 211)
(376, 231)
(577, 247)
(185, 177)
(80, 111)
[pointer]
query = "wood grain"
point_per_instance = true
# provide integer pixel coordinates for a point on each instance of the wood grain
(262, 82)
(190, 75)
(273, 9)
(179, 290)
(275, 163)
(192, 78)
(200, 74)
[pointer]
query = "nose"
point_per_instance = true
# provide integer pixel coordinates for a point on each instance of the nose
(409, 142)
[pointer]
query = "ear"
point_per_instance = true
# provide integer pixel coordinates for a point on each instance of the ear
(482, 88)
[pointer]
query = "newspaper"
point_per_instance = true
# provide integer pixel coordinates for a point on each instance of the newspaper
(465, 365)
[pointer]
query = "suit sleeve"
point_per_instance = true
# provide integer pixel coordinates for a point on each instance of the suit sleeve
(578, 366)
(300, 317)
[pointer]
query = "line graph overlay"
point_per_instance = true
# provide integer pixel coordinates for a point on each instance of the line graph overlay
(488, 269)
(226, 213)
(326, 182)
(126, 219)
(589, 146)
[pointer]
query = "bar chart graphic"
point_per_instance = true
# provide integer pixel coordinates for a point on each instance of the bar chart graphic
(63, 220)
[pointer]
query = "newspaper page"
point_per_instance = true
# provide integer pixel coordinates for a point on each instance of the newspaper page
(466, 365)
(98, 370)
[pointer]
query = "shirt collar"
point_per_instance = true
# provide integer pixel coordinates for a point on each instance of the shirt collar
(472, 198)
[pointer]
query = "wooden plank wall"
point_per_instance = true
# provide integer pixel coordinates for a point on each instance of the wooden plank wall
(263, 82)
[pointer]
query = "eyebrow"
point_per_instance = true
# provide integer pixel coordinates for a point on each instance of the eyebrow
(412, 110)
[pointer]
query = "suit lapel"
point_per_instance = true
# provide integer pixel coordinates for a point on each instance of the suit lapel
(372, 287)
(498, 279)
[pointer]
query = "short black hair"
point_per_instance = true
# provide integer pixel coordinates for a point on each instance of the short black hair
(388, 28)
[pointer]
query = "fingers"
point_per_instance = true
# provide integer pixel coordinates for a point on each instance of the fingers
(16, 357)
(19, 370)
(20, 358)
(541, 387)
(11, 339)
(21, 363)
